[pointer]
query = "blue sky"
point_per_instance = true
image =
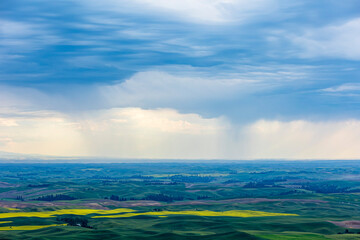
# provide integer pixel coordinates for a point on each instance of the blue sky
(181, 79)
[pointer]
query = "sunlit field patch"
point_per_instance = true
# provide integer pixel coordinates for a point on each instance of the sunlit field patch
(206, 213)
(26, 228)
(12, 209)
(49, 214)
(3, 222)
(123, 213)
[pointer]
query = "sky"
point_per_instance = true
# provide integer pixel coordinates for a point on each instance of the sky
(180, 79)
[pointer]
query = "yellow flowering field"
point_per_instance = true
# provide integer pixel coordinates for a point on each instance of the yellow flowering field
(232, 213)
(3, 222)
(48, 214)
(29, 227)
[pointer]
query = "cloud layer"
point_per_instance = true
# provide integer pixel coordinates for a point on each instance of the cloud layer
(168, 134)
(120, 132)
(336, 41)
(200, 11)
(304, 139)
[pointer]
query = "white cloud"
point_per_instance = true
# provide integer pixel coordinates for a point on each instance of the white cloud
(206, 11)
(348, 87)
(198, 11)
(168, 134)
(156, 88)
(17, 36)
(120, 132)
(8, 122)
(161, 133)
(40, 132)
(337, 41)
(12, 29)
(152, 89)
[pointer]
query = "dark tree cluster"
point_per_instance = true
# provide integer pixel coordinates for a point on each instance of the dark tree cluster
(117, 198)
(20, 198)
(157, 210)
(202, 197)
(265, 183)
(57, 197)
(163, 198)
(272, 181)
(75, 221)
(348, 232)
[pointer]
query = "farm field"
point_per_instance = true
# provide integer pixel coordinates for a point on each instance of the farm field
(215, 200)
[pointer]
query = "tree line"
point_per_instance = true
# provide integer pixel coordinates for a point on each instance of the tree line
(57, 197)
(75, 221)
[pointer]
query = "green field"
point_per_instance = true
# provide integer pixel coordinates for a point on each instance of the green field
(263, 200)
